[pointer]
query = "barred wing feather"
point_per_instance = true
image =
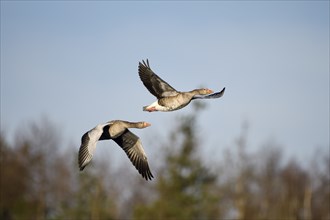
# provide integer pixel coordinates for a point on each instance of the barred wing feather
(132, 146)
(156, 86)
(86, 150)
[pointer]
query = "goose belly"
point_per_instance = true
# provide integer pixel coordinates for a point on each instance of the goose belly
(172, 104)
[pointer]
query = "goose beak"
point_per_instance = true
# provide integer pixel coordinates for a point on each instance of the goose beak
(210, 91)
(146, 124)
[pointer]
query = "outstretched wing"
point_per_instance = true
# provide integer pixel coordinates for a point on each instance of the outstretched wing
(88, 144)
(211, 96)
(154, 83)
(86, 150)
(132, 146)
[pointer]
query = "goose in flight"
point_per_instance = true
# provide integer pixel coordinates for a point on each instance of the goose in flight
(169, 99)
(117, 131)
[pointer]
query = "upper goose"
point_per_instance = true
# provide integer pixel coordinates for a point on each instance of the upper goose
(169, 99)
(116, 130)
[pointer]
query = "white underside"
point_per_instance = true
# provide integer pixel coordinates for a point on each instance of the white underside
(157, 107)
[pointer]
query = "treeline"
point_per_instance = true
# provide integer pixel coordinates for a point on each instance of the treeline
(40, 181)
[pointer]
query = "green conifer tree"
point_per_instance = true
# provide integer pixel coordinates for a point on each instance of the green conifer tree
(186, 188)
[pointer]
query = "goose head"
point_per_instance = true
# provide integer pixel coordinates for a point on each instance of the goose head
(145, 124)
(141, 124)
(204, 91)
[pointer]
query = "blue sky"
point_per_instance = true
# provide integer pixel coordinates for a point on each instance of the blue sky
(76, 63)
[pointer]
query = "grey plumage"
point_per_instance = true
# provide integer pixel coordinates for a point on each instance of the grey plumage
(131, 144)
(117, 131)
(168, 98)
(83, 151)
(156, 85)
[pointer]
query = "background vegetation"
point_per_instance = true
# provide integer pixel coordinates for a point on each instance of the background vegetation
(39, 181)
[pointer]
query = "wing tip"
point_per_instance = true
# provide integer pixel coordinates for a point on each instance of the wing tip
(144, 64)
(147, 175)
(222, 91)
(81, 168)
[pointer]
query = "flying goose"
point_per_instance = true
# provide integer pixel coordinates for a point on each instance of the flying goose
(169, 99)
(116, 130)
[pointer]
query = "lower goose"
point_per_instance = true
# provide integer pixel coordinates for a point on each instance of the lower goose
(117, 131)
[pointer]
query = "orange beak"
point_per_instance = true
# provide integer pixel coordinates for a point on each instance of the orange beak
(209, 91)
(146, 124)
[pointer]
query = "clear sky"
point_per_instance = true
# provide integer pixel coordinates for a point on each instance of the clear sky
(76, 63)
